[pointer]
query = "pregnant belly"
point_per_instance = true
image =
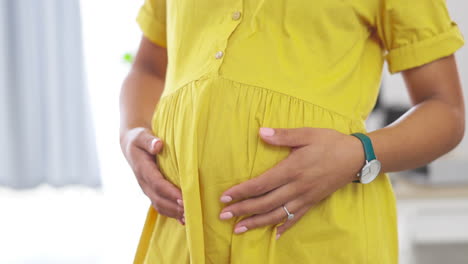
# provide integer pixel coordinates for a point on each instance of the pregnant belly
(211, 142)
(213, 124)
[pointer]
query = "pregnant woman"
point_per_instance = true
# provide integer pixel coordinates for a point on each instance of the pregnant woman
(243, 122)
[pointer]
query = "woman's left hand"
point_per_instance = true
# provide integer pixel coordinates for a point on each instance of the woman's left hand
(320, 162)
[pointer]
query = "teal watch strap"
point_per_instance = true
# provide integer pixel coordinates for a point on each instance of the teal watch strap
(368, 148)
(366, 142)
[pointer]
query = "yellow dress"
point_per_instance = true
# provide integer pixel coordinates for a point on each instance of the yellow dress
(237, 65)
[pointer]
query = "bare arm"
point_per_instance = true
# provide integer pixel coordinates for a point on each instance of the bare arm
(433, 126)
(143, 86)
(140, 93)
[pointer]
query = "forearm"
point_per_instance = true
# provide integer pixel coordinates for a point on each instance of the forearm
(427, 131)
(140, 93)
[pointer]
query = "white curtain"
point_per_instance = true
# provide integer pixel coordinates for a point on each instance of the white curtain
(46, 130)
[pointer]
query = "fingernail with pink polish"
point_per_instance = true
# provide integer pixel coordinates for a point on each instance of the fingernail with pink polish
(226, 199)
(278, 236)
(180, 202)
(181, 222)
(226, 215)
(266, 131)
(153, 143)
(240, 229)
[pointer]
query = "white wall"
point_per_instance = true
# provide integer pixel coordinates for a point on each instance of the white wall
(458, 10)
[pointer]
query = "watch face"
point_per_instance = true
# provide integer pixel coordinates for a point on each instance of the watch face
(370, 171)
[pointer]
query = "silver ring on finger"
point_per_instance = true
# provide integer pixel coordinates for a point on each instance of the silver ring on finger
(290, 216)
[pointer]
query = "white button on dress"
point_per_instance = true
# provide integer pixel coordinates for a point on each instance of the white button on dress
(236, 15)
(219, 55)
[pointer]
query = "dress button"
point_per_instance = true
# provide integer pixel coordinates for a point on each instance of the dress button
(236, 15)
(219, 55)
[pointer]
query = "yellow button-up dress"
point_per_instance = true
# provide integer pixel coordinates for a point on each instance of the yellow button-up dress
(237, 65)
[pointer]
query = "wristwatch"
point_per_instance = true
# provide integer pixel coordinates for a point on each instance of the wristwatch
(372, 167)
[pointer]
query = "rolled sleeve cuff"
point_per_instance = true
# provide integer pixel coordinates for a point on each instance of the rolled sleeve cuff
(153, 29)
(425, 51)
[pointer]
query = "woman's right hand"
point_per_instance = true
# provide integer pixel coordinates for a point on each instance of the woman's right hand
(140, 146)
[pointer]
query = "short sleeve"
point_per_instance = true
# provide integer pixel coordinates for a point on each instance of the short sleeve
(416, 32)
(152, 21)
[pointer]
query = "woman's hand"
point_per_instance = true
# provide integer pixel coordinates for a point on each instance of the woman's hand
(139, 147)
(321, 161)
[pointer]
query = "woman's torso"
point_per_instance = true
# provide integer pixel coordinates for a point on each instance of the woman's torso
(284, 64)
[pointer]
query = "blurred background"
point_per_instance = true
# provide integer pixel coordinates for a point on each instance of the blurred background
(67, 194)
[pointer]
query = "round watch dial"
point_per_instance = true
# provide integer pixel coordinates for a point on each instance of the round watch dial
(370, 171)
